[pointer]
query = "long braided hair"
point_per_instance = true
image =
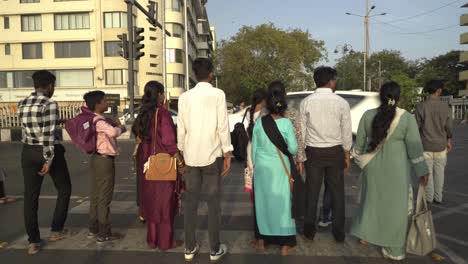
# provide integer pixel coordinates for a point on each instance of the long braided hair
(258, 96)
(149, 103)
(389, 97)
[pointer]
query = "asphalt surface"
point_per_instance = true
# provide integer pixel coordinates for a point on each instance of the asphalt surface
(450, 219)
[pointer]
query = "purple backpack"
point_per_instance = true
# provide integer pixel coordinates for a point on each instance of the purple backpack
(82, 130)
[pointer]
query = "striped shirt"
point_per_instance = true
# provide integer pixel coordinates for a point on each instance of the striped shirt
(326, 119)
(38, 115)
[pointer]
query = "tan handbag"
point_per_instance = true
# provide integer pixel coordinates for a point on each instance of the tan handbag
(162, 166)
(290, 178)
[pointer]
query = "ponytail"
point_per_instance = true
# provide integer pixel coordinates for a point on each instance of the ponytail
(258, 96)
(389, 97)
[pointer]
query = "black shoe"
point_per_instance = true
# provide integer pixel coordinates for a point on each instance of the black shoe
(217, 256)
(339, 238)
(108, 238)
(309, 231)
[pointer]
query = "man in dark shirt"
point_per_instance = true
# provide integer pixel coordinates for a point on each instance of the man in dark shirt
(435, 125)
(42, 153)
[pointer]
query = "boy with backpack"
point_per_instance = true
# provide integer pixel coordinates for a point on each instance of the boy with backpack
(102, 167)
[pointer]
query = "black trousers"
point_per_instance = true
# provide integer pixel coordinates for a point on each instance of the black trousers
(32, 161)
(328, 164)
(203, 180)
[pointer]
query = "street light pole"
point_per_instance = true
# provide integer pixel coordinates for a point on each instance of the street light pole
(187, 77)
(380, 74)
(366, 36)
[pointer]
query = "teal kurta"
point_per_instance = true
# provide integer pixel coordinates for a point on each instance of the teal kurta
(382, 215)
(272, 192)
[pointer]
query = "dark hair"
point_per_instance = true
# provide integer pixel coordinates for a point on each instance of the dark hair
(433, 85)
(202, 68)
(324, 74)
(150, 101)
(389, 97)
(258, 96)
(42, 79)
(276, 102)
(93, 98)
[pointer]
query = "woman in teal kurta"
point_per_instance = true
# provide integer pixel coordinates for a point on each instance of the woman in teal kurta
(382, 216)
(272, 192)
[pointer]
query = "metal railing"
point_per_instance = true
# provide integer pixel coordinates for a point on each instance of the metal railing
(9, 113)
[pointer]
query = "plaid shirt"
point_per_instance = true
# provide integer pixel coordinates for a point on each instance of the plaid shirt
(38, 115)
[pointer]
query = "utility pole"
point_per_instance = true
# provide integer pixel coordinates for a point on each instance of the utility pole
(380, 74)
(151, 14)
(366, 17)
(131, 61)
(366, 42)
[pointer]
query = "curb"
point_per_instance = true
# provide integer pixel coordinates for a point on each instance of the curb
(14, 135)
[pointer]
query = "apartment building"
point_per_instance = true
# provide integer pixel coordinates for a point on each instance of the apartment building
(77, 40)
(464, 54)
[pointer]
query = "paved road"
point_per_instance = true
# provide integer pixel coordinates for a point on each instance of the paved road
(450, 220)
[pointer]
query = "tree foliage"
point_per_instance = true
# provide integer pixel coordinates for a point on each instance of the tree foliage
(255, 56)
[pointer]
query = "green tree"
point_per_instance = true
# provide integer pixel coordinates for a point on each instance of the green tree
(444, 67)
(409, 93)
(351, 66)
(255, 56)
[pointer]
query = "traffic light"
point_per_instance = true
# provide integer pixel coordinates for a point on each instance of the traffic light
(123, 44)
(152, 12)
(138, 46)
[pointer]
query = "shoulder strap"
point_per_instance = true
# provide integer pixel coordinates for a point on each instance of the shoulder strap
(284, 165)
(246, 112)
(273, 133)
(363, 159)
(155, 129)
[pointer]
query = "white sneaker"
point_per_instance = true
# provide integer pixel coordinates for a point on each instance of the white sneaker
(216, 256)
(324, 223)
(190, 254)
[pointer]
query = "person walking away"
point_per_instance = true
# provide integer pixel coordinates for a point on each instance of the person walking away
(204, 140)
(388, 147)
(273, 143)
(328, 136)
(102, 165)
(42, 153)
(255, 111)
(435, 124)
(159, 200)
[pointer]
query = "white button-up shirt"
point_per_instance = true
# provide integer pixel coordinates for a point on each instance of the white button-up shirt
(202, 125)
(327, 120)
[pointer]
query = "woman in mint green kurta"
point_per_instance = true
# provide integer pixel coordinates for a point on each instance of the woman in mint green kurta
(382, 216)
(272, 191)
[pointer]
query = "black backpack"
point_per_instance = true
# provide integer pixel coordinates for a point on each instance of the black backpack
(240, 140)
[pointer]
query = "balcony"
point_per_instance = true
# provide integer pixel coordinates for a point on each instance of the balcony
(463, 76)
(464, 38)
(464, 57)
(464, 20)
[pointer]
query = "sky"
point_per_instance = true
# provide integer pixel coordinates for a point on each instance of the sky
(417, 28)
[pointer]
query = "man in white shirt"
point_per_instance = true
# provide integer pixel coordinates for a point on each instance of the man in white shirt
(328, 137)
(205, 142)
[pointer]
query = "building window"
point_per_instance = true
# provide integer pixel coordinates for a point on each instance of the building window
(67, 0)
(174, 5)
(176, 30)
(29, 1)
(77, 49)
(74, 78)
(23, 79)
(115, 20)
(174, 56)
(112, 48)
(71, 21)
(31, 23)
(175, 80)
(32, 50)
(116, 77)
(6, 22)
(7, 49)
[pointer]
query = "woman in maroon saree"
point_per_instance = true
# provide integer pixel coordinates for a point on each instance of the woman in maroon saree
(159, 200)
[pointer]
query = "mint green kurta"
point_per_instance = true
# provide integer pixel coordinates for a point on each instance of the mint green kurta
(382, 215)
(271, 183)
